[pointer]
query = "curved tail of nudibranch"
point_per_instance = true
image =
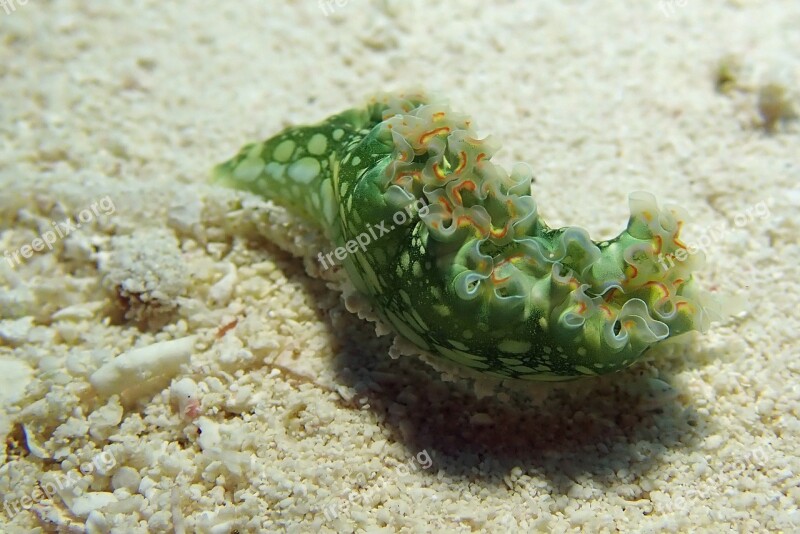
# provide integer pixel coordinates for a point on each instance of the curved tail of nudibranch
(470, 272)
(295, 167)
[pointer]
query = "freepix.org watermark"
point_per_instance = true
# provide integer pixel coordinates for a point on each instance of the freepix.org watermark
(45, 491)
(9, 6)
(104, 206)
(329, 6)
(363, 239)
(668, 7)
(758, 211)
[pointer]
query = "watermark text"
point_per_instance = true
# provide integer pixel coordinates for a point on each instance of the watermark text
(104, 206)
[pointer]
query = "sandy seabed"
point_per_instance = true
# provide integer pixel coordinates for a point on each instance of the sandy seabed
(167, 364)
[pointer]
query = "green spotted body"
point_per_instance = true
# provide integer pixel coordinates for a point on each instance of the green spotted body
(452, 254)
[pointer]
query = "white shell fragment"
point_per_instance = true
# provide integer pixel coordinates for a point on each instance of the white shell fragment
(145, 369)
(88, 502)
(184, 394)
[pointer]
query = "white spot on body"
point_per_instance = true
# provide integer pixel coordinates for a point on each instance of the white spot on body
(442, 310)
(317, 144)
(514, 346)
(248, 169)
(457, 344)
(328, 201)
(283, 151)
(304, 170)
(255, 151)
(404, 261)
(275, 171)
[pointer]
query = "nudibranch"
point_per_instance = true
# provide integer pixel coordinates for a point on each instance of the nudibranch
(450, 251)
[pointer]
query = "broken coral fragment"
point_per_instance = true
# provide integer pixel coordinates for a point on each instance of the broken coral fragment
(143, 370)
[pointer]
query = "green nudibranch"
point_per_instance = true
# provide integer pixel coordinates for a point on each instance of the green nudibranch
(476, 276)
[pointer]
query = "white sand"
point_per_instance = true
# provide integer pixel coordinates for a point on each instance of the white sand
(299, 404)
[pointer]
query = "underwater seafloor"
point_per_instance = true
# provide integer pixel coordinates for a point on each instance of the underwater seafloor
(250, 400)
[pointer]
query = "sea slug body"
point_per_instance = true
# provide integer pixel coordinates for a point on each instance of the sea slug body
(475, 276)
